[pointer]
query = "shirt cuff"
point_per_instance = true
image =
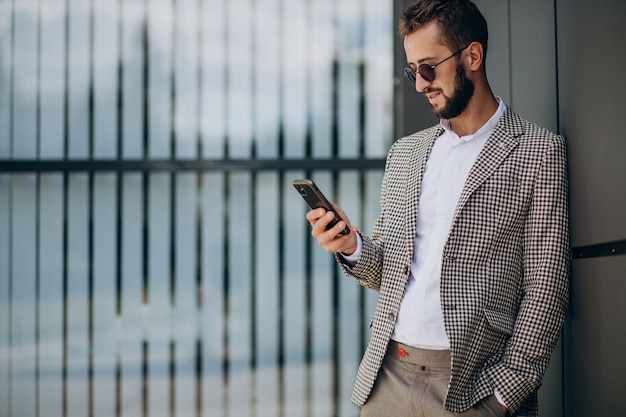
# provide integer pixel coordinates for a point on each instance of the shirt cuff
(499, 397)
(354, 258)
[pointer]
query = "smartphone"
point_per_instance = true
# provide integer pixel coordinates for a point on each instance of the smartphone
(316, 199)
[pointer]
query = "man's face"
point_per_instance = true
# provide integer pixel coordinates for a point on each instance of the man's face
(457, 102)
(451, 90)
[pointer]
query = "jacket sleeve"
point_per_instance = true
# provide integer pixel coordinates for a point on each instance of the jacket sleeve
(545, 283)
(368, 270)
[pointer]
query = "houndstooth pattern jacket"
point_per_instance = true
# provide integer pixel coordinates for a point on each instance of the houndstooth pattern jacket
(505, 268)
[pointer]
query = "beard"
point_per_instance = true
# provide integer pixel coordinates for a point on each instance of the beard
(458, 101)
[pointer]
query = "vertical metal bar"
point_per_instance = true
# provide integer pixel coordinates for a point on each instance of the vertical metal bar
(37, 293)
(281, 296)
(119, 156)
(146, 292)
(334, 279)
(66, 130)
(10, 299)
(199, 363)
(308, 265)
(199, 79)
(37, 220)
(173, 195)
(144, 208)
(90, 214)
(144, 377)
(65, 290)
(308, 355)
(90, 293)
(226, 295)
(281, 238)
(253, 218)
(172, 376)
(146, 145)
(172, 293)
(253, 290)
(119, 241)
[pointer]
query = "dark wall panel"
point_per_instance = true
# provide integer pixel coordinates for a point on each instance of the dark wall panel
(595, 339)
(591, 63)
(591, 60)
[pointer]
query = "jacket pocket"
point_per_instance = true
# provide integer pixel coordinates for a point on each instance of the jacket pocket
(500, 320)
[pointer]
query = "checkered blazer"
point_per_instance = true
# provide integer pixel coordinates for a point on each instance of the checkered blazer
(505, 268)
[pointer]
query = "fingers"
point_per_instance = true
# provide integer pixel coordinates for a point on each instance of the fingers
(313, 215)
(331, 240)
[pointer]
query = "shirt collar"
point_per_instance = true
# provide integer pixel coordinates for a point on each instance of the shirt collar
(487, 127)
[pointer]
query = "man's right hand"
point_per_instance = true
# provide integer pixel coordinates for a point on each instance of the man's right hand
(330, 239)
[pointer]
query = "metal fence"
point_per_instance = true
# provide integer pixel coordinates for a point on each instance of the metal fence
(155, 260)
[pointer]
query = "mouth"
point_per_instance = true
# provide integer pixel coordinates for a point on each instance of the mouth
(431, 96)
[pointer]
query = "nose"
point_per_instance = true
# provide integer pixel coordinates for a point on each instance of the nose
(421, 83)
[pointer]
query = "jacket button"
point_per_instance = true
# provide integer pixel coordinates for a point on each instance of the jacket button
(406, 269)
(392, 317)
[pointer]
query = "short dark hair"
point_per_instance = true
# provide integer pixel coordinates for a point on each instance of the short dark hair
(460, 21)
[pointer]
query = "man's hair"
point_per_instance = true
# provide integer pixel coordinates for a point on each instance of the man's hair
(460, 21)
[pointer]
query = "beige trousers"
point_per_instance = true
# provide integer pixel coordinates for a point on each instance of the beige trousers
(413, 383)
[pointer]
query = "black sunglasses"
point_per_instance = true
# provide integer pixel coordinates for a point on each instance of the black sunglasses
(427, 71)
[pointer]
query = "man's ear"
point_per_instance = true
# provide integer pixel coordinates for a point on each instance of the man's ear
(475, 56)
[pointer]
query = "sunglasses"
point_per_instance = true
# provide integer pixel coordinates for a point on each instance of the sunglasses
(427, 71)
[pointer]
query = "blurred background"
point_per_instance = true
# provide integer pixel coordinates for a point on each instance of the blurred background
(155, 259)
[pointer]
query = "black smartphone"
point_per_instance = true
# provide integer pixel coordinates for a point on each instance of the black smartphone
(316, 199)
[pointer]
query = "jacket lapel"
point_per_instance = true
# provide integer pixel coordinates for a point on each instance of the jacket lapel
(417, 164)
(502, 141)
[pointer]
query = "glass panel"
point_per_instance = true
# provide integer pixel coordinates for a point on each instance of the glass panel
(184, 298)
(78, 78)
(24, 86)
(239, 60)
(76, 305)
(104, 66)
(130, 286)
(5, 294)
(187, 26)
(131, 113)
(23, 292)
(213, 99)
(52, 78)
(160, 325)
(160, 78)
(103, 294)
(238, 294)
(131, 326)
(294, 301)
(213, 324)
(321, 69)
(266, 293)
(50, 315)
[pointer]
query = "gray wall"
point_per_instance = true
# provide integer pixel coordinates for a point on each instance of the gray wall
(560, 63)
(591, 62)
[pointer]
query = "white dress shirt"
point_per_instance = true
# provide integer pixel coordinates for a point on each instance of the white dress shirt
(420, 319)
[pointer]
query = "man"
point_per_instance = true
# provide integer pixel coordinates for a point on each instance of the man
(470, 253)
